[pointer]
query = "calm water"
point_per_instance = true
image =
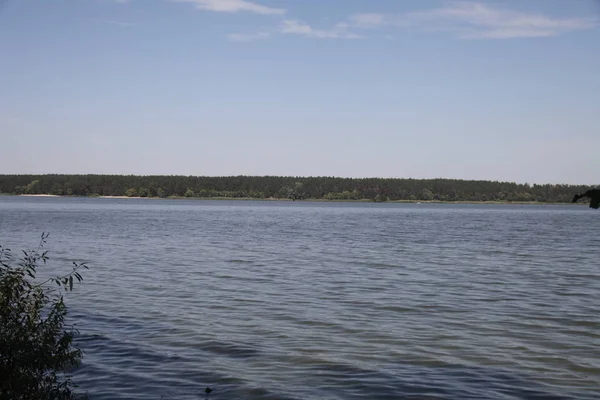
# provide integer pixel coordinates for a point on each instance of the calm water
(268, 300)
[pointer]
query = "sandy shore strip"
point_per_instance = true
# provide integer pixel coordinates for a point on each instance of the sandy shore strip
(117, 197)
(305, 200)
(39, 195)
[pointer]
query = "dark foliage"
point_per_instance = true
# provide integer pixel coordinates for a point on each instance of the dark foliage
(258, 187)
(593, 195)
(36, 344)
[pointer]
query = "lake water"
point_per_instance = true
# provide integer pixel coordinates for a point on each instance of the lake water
(294, 300)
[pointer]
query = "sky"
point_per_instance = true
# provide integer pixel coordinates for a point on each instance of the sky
(491, 90)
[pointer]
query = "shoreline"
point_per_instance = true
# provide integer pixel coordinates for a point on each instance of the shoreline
(35, 195)
(303, 200)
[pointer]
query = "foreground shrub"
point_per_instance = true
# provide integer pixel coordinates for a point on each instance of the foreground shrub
(36, 344)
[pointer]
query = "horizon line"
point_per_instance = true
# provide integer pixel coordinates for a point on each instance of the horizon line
(302, 177)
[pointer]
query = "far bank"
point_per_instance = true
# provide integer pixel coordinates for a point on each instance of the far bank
(271, 199)
(291, 188)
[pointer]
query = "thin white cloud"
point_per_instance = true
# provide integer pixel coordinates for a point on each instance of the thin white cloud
(477, 20)
(233, 6)
(368, 20)
(247, 37)
(339, 31)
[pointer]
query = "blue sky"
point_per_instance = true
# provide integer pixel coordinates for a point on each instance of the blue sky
(498, 90)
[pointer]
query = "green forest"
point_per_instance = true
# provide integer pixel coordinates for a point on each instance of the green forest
(295, 188)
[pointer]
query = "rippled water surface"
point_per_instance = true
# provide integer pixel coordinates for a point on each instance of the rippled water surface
(292, 300)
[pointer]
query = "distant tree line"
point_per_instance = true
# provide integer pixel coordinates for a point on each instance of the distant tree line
(259, 187)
